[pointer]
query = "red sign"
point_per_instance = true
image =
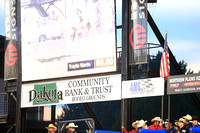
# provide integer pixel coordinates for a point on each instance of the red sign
(11, 55)
(139, 36)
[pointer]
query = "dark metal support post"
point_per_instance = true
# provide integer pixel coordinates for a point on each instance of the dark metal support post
(126, 108)
(53, 113)
(162, 105)
(126, 104)
(123, 113)
(23, 120)
(18, 106)
(168, 112)
(129, 115)
(127, 112)
(19, 74)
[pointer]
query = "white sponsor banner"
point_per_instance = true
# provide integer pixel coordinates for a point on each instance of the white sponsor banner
(143, 88)
(92, 89)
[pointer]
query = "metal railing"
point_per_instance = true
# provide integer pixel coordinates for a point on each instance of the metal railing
(89, 121)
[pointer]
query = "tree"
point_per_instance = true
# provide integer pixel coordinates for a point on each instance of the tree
(154, 63)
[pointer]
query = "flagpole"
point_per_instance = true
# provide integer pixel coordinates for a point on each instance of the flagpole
(168, 111)
(164, 70)
(162, 111)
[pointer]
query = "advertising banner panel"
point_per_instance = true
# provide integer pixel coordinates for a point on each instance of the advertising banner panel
(137, 32)
(181, 84)
(11, 43)
(93, 89)
(143, 88)
(63, 38)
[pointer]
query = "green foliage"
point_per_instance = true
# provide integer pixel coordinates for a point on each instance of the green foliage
(154, 63)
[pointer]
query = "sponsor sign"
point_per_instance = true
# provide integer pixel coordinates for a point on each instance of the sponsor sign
(138, 32)
(11, 20)
(75, 38)
(143, 88)
(183, 84)
(93, 89)
(11, 52)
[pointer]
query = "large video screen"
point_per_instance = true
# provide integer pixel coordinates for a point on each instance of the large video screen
(62, 38)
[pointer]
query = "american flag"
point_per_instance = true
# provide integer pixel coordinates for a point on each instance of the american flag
(164, 65)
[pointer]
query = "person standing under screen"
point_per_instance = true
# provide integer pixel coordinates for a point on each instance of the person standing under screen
(181, 124)
(156, 124)
(71, 128)
(134, 125)
(51, 128)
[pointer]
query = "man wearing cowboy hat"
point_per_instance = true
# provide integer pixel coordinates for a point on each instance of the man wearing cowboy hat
(171, 128)
(142, 124)
(51, 128)
(156, 124)
(188, 118)
(181, 124)
(195, 120)
(71, 128)
(134, 125)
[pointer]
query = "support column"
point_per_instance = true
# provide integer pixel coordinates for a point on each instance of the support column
(126, 104)
(53, 113)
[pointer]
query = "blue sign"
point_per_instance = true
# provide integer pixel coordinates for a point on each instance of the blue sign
(102, 131)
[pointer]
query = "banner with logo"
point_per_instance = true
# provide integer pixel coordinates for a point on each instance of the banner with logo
(93, 89)
(137, 32)
(183, 84)
(11, 57)
(143, 88)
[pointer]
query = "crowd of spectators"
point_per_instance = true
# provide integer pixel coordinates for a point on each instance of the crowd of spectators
(181, 125)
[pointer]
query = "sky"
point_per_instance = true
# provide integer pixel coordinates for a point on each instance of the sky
(2, 29)
(181, 19)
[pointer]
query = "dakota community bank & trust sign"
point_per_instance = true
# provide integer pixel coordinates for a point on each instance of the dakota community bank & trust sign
(93, 89)
(45, 94)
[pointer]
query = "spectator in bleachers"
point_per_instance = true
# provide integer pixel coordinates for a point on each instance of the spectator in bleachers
(71, 128)
(156, 124)
(188, 118)
(171, 128)
(176, 125)
(51, 128)
(195, 120)
(181, 124)
(142, 124)
(134, 125)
